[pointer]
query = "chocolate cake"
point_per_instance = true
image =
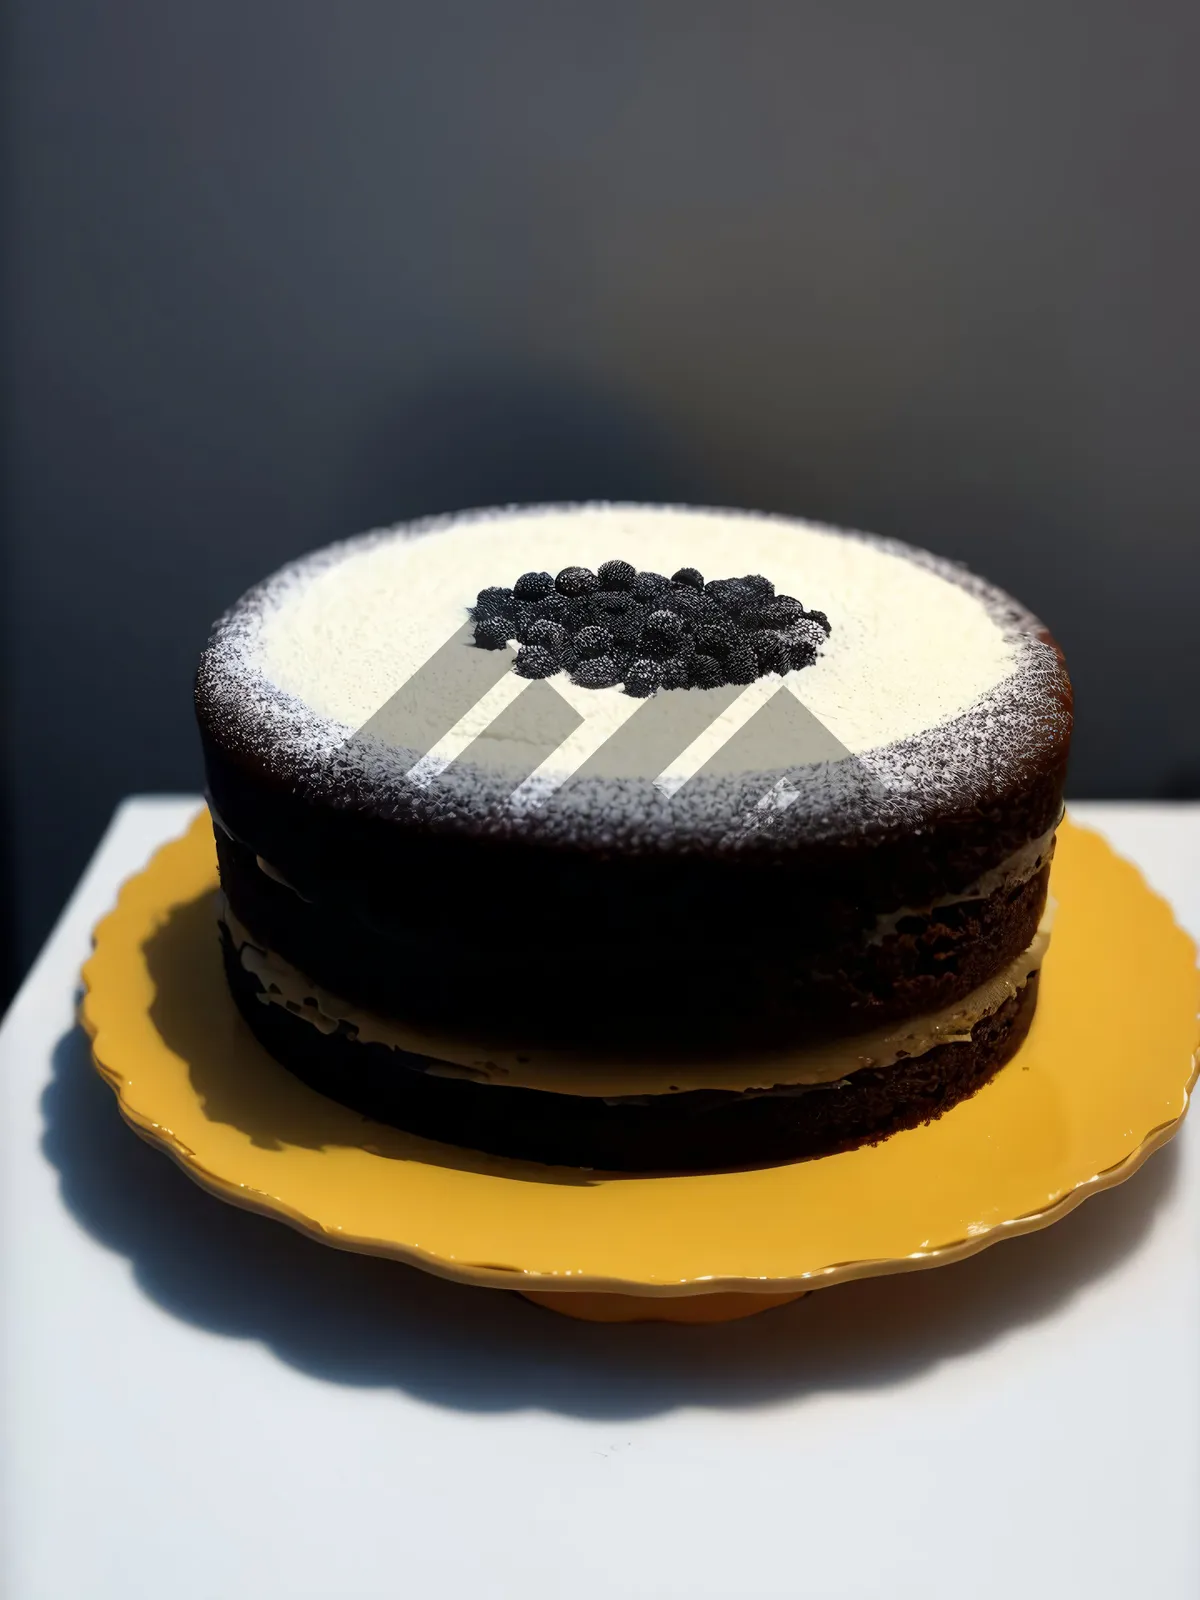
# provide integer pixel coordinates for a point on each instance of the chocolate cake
(634, 837)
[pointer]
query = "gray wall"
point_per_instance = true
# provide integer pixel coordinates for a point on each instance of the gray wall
(282, 269)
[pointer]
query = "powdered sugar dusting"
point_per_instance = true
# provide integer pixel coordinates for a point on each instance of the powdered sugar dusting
(908, 650)
(942, 686)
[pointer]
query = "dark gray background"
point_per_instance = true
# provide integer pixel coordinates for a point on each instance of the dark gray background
(279, 271)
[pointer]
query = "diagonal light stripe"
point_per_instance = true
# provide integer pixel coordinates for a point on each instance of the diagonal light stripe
(782, 736)
(720, 729)
(659, 730)
(525, 734)
(440, 695)
(468, 728)
(651, 735)
(467, 704)
(567, 762)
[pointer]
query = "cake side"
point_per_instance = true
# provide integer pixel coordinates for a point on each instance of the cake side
(700, 1131)
(919, 730)
(878, 881)
(833, 969)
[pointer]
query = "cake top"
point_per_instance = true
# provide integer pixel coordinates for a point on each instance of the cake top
(464, 672)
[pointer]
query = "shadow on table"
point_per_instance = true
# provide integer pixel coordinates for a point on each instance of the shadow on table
(240, 1085)
(366, 1322)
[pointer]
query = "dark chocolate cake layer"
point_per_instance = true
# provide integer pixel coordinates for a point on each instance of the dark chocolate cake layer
(740, 992)
(691, 1131)
(866, 842)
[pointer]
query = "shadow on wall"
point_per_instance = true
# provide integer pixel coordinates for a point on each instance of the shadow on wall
(324, 467)
(8, 931)
(1182, 783)
(10, 963)
(478, 439)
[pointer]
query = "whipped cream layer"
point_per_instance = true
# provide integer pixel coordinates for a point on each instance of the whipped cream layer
(629, 1078)
(912, 645)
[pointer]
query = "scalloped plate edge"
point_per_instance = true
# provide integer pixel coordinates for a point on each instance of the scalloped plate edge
(494, 1277)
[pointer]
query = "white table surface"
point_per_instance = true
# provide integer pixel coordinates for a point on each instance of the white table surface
(199, 1402)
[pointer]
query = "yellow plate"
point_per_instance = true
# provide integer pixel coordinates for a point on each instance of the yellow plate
(1102, 1080)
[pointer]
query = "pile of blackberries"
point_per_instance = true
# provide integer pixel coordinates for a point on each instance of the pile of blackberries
(621, 626)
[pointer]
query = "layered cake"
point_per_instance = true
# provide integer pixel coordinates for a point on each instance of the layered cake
(638, 838)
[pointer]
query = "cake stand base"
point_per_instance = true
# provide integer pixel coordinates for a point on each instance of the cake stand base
(585, 1307)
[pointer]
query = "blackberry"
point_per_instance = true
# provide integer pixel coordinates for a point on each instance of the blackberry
(737, 598)
(662, 634)
(806, 630)
(493, 633)
(705, 672)
(530, 624)
(534, 661)
(551, 636)
(674, 673)
(803, 639)
(552, 608)
(742, 665)
(758, 585)
(533, 585)
(616, 575)
(753, 619)
(598, 672)
(574, 581)
(642, 677)
(619, 624)
(627, 629)
(714, 641)
(684, 602)
(780, 612)
(493, 603)
(592, 642)
(648, 585)
(708, 611)
(770, 651)
(651, 631)
(689, 576)
(580, 613)
(720, 589)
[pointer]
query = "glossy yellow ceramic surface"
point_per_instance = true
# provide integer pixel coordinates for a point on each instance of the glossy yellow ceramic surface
(1102, 1080)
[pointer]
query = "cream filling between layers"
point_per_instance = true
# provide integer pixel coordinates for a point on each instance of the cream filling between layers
(1013, 872)
(605, 1078)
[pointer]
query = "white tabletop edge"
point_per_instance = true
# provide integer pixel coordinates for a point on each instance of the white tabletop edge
(1023, 1423)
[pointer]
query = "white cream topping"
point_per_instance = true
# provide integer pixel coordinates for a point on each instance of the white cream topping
(629, 1078)
(909, 648)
